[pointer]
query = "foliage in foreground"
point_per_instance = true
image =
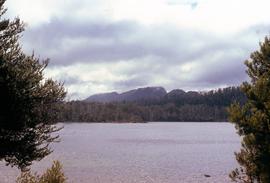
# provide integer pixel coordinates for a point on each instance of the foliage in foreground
(252, 120)
(52, 175)
(29, 102)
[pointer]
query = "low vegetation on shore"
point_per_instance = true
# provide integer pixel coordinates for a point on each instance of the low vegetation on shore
(52, 175)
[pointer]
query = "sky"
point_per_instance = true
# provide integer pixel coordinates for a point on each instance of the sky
(98, 46)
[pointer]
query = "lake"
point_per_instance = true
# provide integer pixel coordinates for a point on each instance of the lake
(142, 153)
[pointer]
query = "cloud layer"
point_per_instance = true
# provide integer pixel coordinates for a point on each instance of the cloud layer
(101, 46)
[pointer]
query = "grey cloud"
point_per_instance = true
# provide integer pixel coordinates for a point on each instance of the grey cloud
(152, 52)
(192, 3)
(130, 83)
(223, 72)
(51, 37)
(68, 79)
(105, 41)
(100, 53)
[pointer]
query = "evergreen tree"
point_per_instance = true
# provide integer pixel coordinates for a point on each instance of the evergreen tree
(29, 102)
(252, 120)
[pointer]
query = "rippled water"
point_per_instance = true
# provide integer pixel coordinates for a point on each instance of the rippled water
(142, 153)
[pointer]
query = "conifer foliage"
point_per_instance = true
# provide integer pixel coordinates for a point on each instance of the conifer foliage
(28, 107)
(253, 120)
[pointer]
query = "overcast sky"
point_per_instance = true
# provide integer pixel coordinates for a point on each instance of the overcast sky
(116, 45)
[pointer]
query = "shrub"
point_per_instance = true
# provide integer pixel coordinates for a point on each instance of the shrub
(52, 175)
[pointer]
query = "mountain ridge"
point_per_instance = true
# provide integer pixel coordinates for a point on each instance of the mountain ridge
(176, 105)
(146, 93)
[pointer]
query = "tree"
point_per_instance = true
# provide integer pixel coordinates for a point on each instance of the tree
(252, 120)
(29, 102)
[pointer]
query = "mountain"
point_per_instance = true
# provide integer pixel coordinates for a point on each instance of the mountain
(148, 93)
(154, 104)
(103, 97)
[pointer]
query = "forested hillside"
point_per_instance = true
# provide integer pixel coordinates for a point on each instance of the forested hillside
(176, 105)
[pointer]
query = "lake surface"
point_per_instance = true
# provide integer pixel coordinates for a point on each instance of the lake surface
(142, 153)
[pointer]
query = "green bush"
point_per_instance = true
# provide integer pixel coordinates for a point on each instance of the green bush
(52, 175)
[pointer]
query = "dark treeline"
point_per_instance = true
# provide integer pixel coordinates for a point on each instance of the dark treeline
(175, 106)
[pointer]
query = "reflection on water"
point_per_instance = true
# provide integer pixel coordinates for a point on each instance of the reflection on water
(151, 152)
